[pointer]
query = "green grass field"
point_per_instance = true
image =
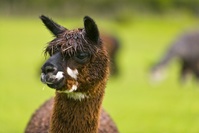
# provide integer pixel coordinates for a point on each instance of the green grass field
(136, 105)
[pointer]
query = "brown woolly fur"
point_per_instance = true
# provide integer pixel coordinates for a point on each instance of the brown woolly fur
(70, 42)
(75, 116)
(78, 69)
(40, 120)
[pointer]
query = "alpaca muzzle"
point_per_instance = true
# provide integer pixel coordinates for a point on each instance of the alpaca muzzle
(53, 81)
(50, 78)
(52, 72)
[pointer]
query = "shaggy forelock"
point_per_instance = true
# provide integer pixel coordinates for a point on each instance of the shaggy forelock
(70, 42)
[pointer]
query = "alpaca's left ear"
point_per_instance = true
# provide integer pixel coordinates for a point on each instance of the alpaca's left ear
(91, 29)
(52, 26)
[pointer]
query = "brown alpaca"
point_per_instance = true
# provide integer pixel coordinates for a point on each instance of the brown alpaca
(78, 70)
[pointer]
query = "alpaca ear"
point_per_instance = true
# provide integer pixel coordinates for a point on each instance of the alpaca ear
(52, 26)
(91, 29)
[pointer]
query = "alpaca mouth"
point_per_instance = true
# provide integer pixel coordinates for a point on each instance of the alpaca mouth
(53, 81)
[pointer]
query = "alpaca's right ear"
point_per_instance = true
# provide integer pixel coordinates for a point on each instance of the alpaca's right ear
(52, 26)
(91, 29)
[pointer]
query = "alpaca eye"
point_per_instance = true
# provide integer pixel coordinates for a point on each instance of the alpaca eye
(82, 57)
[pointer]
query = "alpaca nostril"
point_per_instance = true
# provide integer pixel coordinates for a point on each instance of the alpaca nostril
(50, 69)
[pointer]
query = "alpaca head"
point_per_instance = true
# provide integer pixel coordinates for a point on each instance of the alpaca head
(77, 61)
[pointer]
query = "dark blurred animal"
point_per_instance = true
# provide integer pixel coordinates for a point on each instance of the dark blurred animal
(186, 50)
(112, 46)
(77, 69)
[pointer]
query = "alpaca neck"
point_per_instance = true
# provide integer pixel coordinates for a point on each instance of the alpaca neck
(76, 116)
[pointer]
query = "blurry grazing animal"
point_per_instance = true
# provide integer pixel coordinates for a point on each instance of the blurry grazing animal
(77, 69)
(112, 46)
(186, 49)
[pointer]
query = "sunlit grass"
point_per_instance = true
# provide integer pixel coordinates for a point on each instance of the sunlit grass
(137, 105)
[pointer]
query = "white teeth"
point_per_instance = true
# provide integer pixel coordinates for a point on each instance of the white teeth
(72, 73)
(48, 83)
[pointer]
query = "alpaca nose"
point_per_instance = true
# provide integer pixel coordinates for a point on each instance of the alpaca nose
(53, 64)
(49, 68)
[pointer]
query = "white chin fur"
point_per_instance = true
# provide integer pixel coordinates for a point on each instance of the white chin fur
(74, 95)
(70, 93)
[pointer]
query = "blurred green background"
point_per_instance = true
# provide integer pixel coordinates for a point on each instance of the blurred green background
(144, 28)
